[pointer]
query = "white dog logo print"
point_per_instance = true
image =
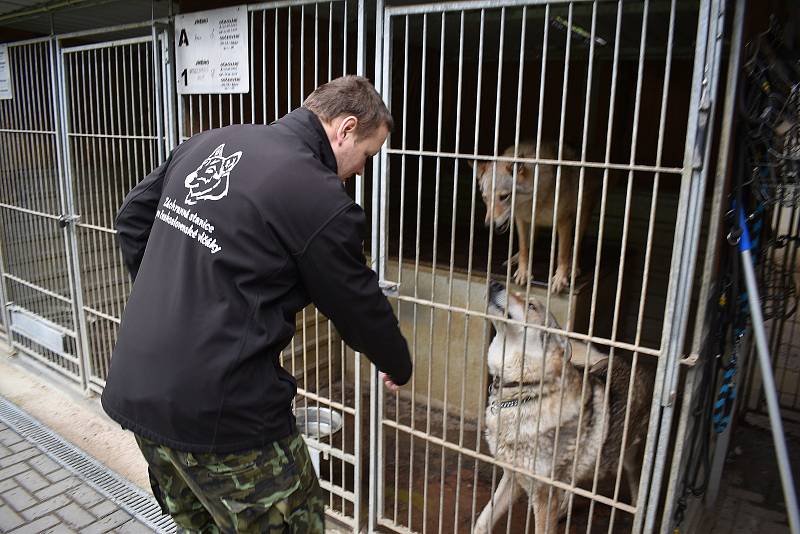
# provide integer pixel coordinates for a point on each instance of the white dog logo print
(210, 180)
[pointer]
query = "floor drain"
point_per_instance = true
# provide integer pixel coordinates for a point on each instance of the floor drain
(130, 498)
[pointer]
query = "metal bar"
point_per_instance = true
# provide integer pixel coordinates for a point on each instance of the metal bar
(584, 142)
(643, 294)
(37, 288)
(784, 467)
(102, 315)
(422, 82)
(275, 56)
(375, 494)
(553, 256)
(577, 490)
(330, 42)
(12, 130)
(344, 38)
(41, 359)
(433, 284)
(360, 69)
(542, 161)
(448, 329)
(571, 335)
(702, 326)
(157, 93)
(264, 119)
(106, 44)
(462, 400)
(701, 113)
(26, 42)
(67, 207)
(287, 3)
(404, 141)
(29, 212)
(289, 59)
(468, 5)
(170, 89)
(114, 136)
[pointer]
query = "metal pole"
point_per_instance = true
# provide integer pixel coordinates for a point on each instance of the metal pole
(64, 161)
(376, 250)
(157, 93)
(3, 293)
(768, 379)
(681, 277)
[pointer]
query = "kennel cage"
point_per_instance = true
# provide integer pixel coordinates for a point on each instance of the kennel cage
(630, 86)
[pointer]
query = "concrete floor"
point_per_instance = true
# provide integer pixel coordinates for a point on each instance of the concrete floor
(751, 498)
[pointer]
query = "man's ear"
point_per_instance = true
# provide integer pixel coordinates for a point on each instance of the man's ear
(347, 127)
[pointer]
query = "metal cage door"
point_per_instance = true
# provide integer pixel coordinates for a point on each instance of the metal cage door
(115, 132)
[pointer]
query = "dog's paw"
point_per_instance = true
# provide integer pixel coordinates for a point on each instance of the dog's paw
(560, 281)
(513, 260)
(521, 274)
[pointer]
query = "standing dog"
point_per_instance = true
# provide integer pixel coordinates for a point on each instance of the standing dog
(533, 384)
(498, 203)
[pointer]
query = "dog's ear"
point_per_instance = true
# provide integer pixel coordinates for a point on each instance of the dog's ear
(558, 339)
(480, 168)
(551, 321)
(524, 179)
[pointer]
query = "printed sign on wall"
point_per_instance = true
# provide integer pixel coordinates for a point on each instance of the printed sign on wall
(212, 53)
(5, 74)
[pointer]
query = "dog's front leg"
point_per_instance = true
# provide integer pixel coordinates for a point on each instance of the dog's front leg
(561, 277)
(545, 509)
(500, 503)
(523, 236)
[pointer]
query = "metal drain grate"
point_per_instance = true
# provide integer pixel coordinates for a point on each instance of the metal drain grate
(130, 498)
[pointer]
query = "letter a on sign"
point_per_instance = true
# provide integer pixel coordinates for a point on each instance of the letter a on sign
(184, 39)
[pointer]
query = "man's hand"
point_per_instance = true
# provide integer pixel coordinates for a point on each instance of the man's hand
(389, 383)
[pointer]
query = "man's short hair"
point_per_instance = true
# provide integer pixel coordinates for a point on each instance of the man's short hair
(350, 95)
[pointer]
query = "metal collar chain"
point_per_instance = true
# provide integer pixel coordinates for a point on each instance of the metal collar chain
(496, 406)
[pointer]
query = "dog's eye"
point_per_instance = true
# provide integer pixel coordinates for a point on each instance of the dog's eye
(504, 197)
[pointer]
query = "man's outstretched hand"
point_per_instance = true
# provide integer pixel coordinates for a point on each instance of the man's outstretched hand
(389, 383)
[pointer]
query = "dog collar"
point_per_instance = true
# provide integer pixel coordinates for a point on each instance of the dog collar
(496, 384)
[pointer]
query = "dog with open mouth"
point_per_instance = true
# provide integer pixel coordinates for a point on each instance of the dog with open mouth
(541, 419)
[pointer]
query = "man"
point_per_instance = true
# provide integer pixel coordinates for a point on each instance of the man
(239, 230)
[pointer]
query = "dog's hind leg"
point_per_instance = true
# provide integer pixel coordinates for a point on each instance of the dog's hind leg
(507, 490)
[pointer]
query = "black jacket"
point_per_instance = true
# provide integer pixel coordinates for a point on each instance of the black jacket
(239, 230)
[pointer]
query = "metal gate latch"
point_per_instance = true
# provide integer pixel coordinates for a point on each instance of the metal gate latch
(64, 220)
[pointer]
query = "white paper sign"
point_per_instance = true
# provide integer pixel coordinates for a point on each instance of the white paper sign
(5, 74)
(212, 53)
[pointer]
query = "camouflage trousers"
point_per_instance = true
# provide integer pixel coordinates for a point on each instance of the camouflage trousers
(273, 489)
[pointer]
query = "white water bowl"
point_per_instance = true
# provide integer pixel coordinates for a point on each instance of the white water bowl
(317, 422)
